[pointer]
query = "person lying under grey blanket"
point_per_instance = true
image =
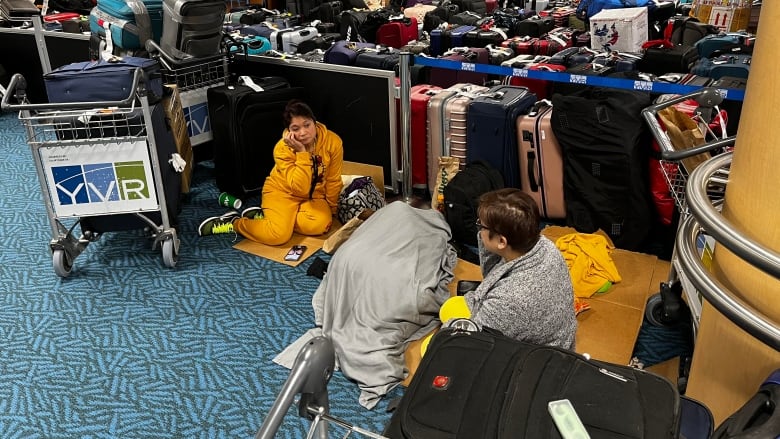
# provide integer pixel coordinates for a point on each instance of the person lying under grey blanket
(383, 288)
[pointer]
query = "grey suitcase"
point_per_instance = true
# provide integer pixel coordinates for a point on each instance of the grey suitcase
(287, 40)
(192, 28)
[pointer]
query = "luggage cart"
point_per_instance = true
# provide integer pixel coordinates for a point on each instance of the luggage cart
(666, 307)
(95, 160)
(309, 379)
(193, 77)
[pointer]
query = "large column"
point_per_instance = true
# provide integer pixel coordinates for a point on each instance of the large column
(729, 364)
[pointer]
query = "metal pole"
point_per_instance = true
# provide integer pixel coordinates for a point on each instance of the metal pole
(406, 124)
(40, 42)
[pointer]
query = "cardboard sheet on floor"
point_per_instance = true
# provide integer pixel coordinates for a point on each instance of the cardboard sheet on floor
(608, 330)
(312, 243)
(277, 252)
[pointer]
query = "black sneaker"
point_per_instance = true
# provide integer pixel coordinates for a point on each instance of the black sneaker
(252, 212)
(217, 225)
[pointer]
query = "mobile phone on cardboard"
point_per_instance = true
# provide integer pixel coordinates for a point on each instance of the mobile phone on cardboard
(295, 253)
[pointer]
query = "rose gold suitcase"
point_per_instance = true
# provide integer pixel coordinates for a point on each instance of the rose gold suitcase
(541, 161)
(447, 125)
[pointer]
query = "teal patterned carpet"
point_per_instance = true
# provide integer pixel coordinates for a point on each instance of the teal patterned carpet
(127, 348)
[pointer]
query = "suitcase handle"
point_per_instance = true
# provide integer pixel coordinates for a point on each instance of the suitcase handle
(531, 168)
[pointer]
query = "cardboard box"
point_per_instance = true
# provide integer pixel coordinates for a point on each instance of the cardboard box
(730, 18)
(622, 30)
(178, 124)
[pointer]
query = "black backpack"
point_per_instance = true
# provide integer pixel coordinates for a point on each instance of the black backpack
(461, 199)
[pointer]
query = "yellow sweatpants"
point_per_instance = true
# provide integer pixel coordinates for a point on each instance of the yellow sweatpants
(283, 214)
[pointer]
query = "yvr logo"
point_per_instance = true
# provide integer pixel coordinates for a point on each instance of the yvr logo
(100, 182)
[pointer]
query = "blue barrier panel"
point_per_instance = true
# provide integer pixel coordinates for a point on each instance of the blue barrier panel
(595, 81)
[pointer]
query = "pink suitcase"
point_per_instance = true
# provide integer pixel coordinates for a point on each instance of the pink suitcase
(447, 125)
(541, 161)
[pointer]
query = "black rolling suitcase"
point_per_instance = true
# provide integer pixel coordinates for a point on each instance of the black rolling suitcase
(246, 124)
(477, 384)
(492, 129)
(605, 145)
(192, 28)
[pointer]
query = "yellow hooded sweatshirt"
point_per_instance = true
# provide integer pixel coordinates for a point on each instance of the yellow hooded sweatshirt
(288, 203)
(590, 262)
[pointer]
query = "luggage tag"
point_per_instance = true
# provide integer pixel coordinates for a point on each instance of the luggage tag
(247, 81)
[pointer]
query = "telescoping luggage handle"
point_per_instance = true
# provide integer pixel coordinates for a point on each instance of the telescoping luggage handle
(18, 89)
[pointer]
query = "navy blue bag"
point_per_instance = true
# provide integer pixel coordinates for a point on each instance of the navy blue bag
(97, 81)
(492, 129)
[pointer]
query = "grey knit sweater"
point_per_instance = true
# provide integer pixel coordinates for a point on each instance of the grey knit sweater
(529, 299)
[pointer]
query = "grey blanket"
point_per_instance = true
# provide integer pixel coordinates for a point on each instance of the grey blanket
(383, 288)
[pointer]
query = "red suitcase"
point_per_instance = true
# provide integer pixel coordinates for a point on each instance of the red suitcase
(540, 87)
(397, 33)
(521, 45)
(420, 95)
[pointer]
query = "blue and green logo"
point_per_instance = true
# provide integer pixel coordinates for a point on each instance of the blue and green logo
(100, 182)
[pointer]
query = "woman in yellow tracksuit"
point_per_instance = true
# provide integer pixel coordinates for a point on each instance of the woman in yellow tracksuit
(301, 193)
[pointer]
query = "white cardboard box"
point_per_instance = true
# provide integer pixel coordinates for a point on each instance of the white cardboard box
(623, 30)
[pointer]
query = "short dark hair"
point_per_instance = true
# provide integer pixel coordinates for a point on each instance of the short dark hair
(296, 108)
(512, 213)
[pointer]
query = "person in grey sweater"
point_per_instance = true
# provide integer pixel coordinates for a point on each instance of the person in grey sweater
(526, 292)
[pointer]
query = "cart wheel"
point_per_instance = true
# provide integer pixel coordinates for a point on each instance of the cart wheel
(654, 311)
(170, 255)
(62, 263)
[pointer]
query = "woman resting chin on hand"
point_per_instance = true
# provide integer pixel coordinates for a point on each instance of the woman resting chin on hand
(301, 192)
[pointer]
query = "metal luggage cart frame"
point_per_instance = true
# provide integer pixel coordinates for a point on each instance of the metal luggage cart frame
(190, 73)
(309, 377)
(665, 307)
(94, 138)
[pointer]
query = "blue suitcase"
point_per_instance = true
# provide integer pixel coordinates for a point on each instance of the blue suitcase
(99, 81)
(345, 52)
(251, 44)
(261, 29)
(492, 129)
(711, 43)
(736, 65)
(444, 39)
(131, 22)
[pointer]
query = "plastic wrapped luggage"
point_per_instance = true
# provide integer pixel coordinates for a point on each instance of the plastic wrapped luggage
(541, 161)
(492, 129)
(479, 384)
(447, 111)
(193, 28)
(246, 125)
(130, 22)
